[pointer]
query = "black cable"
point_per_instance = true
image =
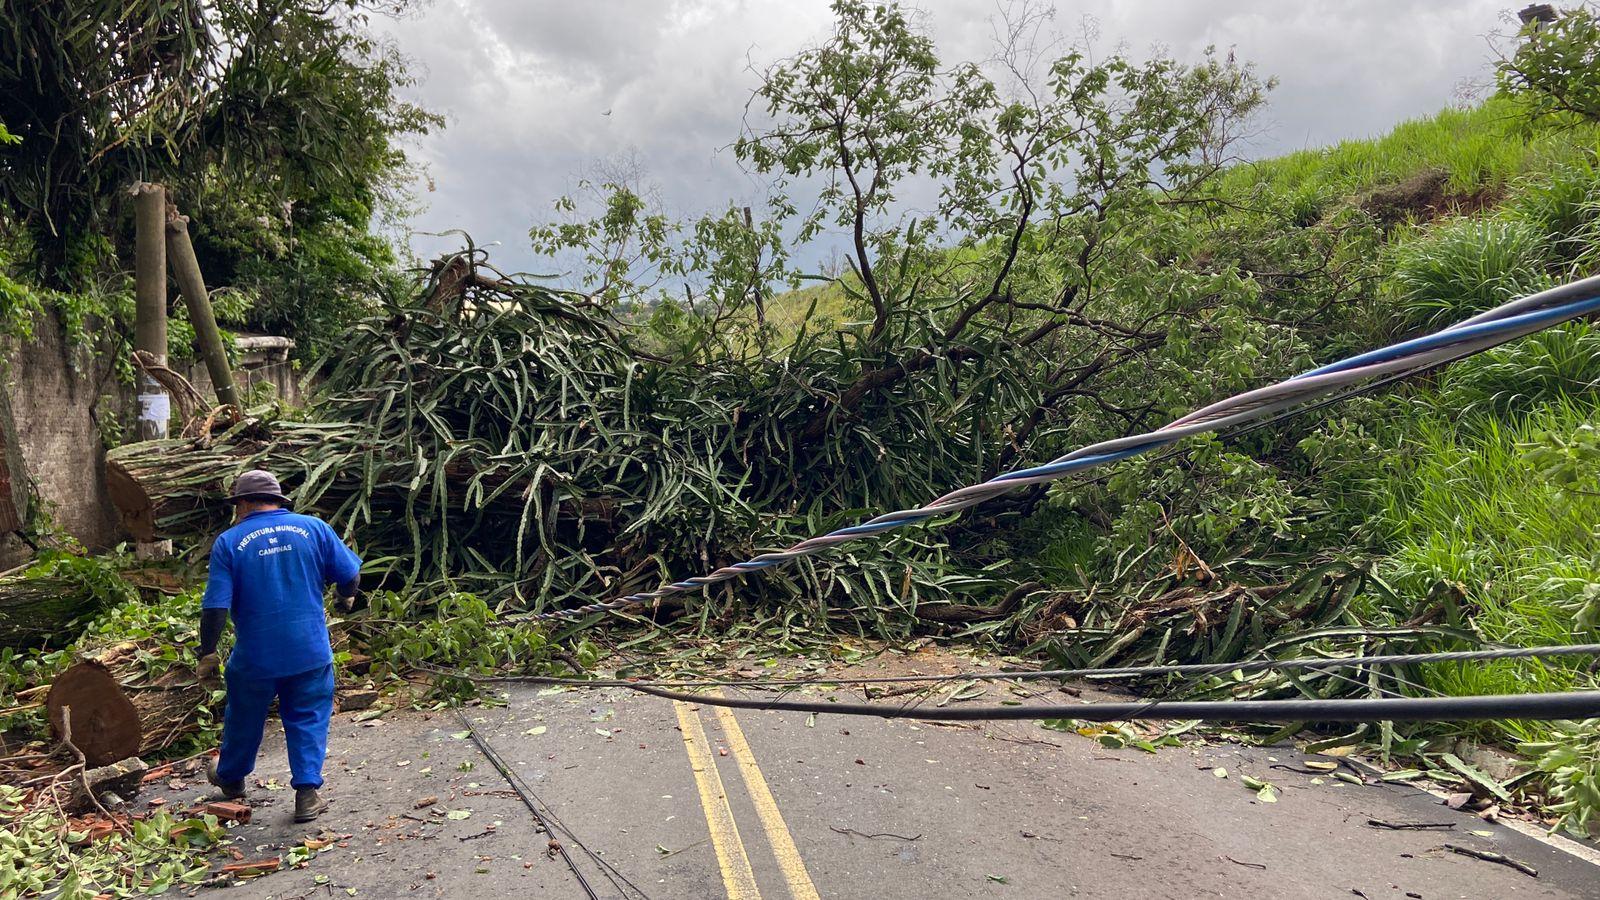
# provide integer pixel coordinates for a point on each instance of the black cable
(1190, 669)
(611, 872)
(500, 766)
(1569, 705)
(544, 818)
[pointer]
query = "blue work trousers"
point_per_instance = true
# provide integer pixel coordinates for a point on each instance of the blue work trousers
(305, 705)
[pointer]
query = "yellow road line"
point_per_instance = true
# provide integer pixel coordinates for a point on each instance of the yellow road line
(789, 862)
(731, 858)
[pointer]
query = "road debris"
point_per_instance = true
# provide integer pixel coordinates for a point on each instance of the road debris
(875, 835)
(1491, 856)
(1409, 826)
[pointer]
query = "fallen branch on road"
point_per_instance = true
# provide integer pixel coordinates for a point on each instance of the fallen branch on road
(1491, 856)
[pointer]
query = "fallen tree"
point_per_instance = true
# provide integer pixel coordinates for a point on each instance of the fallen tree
(517, 442)
(40, 603)
(34, 610)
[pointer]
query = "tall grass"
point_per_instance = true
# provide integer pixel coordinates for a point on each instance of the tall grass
(1475, 516)
(1466, 265)
(1562, 200)
(1482, 149)
(1524, 374)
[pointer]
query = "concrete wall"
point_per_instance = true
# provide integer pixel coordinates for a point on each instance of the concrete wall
(260, 359)
(59, 398)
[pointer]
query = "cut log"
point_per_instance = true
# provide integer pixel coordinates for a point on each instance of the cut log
(133, 505)
(117, 711)
(168, 706)
(105, 724)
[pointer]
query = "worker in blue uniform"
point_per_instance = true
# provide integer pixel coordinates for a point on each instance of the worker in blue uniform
(269, 571)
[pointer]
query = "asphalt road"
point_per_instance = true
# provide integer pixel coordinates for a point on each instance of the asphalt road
(686, 801)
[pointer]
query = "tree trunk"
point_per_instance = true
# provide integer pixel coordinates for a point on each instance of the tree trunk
(118, 711)
(34, 611)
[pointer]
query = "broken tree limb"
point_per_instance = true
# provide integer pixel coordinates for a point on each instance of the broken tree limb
(1491, 856)
(961, 613)
(123, 778)
(191, 283)
(35, 609)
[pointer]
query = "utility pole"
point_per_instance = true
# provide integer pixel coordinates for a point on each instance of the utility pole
(186, 269)
(150, 308)
(150, 324)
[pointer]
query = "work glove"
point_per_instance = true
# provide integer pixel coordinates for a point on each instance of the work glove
(348, 605)
(206, 669)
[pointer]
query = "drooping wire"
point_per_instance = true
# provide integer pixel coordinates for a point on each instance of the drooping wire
(1185, 669)
(1541, 706)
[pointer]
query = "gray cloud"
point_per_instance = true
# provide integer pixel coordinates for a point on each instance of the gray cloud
(527, 85)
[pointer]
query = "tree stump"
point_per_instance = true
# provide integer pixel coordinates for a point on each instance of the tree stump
(105, 725)
(118, 711)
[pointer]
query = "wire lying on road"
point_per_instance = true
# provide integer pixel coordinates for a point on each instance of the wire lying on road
(1570, 705)
(548, 822)
(1474, 335)
(1190, 669)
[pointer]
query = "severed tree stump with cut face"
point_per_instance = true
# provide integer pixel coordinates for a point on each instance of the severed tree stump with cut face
(104, 722)
(119, 711)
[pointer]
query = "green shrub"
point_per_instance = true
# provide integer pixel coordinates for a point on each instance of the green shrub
(1571, 761)
(1563, 202)
(1464, 266)
(454, 631)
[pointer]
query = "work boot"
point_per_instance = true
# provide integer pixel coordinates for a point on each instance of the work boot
(230, 790)
(308, 804)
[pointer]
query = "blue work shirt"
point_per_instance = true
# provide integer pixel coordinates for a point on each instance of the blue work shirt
(270, 571)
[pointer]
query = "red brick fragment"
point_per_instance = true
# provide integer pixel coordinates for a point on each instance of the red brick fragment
(252, 867)
(225, 811)
(96, 829)
(156, 774)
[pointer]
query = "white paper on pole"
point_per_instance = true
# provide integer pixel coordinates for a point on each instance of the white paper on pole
(155, 408)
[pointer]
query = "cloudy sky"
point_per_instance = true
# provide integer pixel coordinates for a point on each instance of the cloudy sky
(538, 92)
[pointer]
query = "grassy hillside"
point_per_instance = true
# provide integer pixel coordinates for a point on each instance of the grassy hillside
(1442, 486)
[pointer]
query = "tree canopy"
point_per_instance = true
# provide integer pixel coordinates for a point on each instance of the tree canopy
(273, 118)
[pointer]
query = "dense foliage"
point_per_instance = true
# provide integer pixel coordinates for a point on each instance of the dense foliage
(275, 125)
(1097, 262)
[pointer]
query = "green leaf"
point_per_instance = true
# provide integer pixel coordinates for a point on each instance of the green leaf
(1476, 777)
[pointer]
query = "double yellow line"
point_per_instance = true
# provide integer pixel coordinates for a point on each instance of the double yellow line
(731, 856)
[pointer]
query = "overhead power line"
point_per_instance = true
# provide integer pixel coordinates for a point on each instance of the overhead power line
(1497, 326)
